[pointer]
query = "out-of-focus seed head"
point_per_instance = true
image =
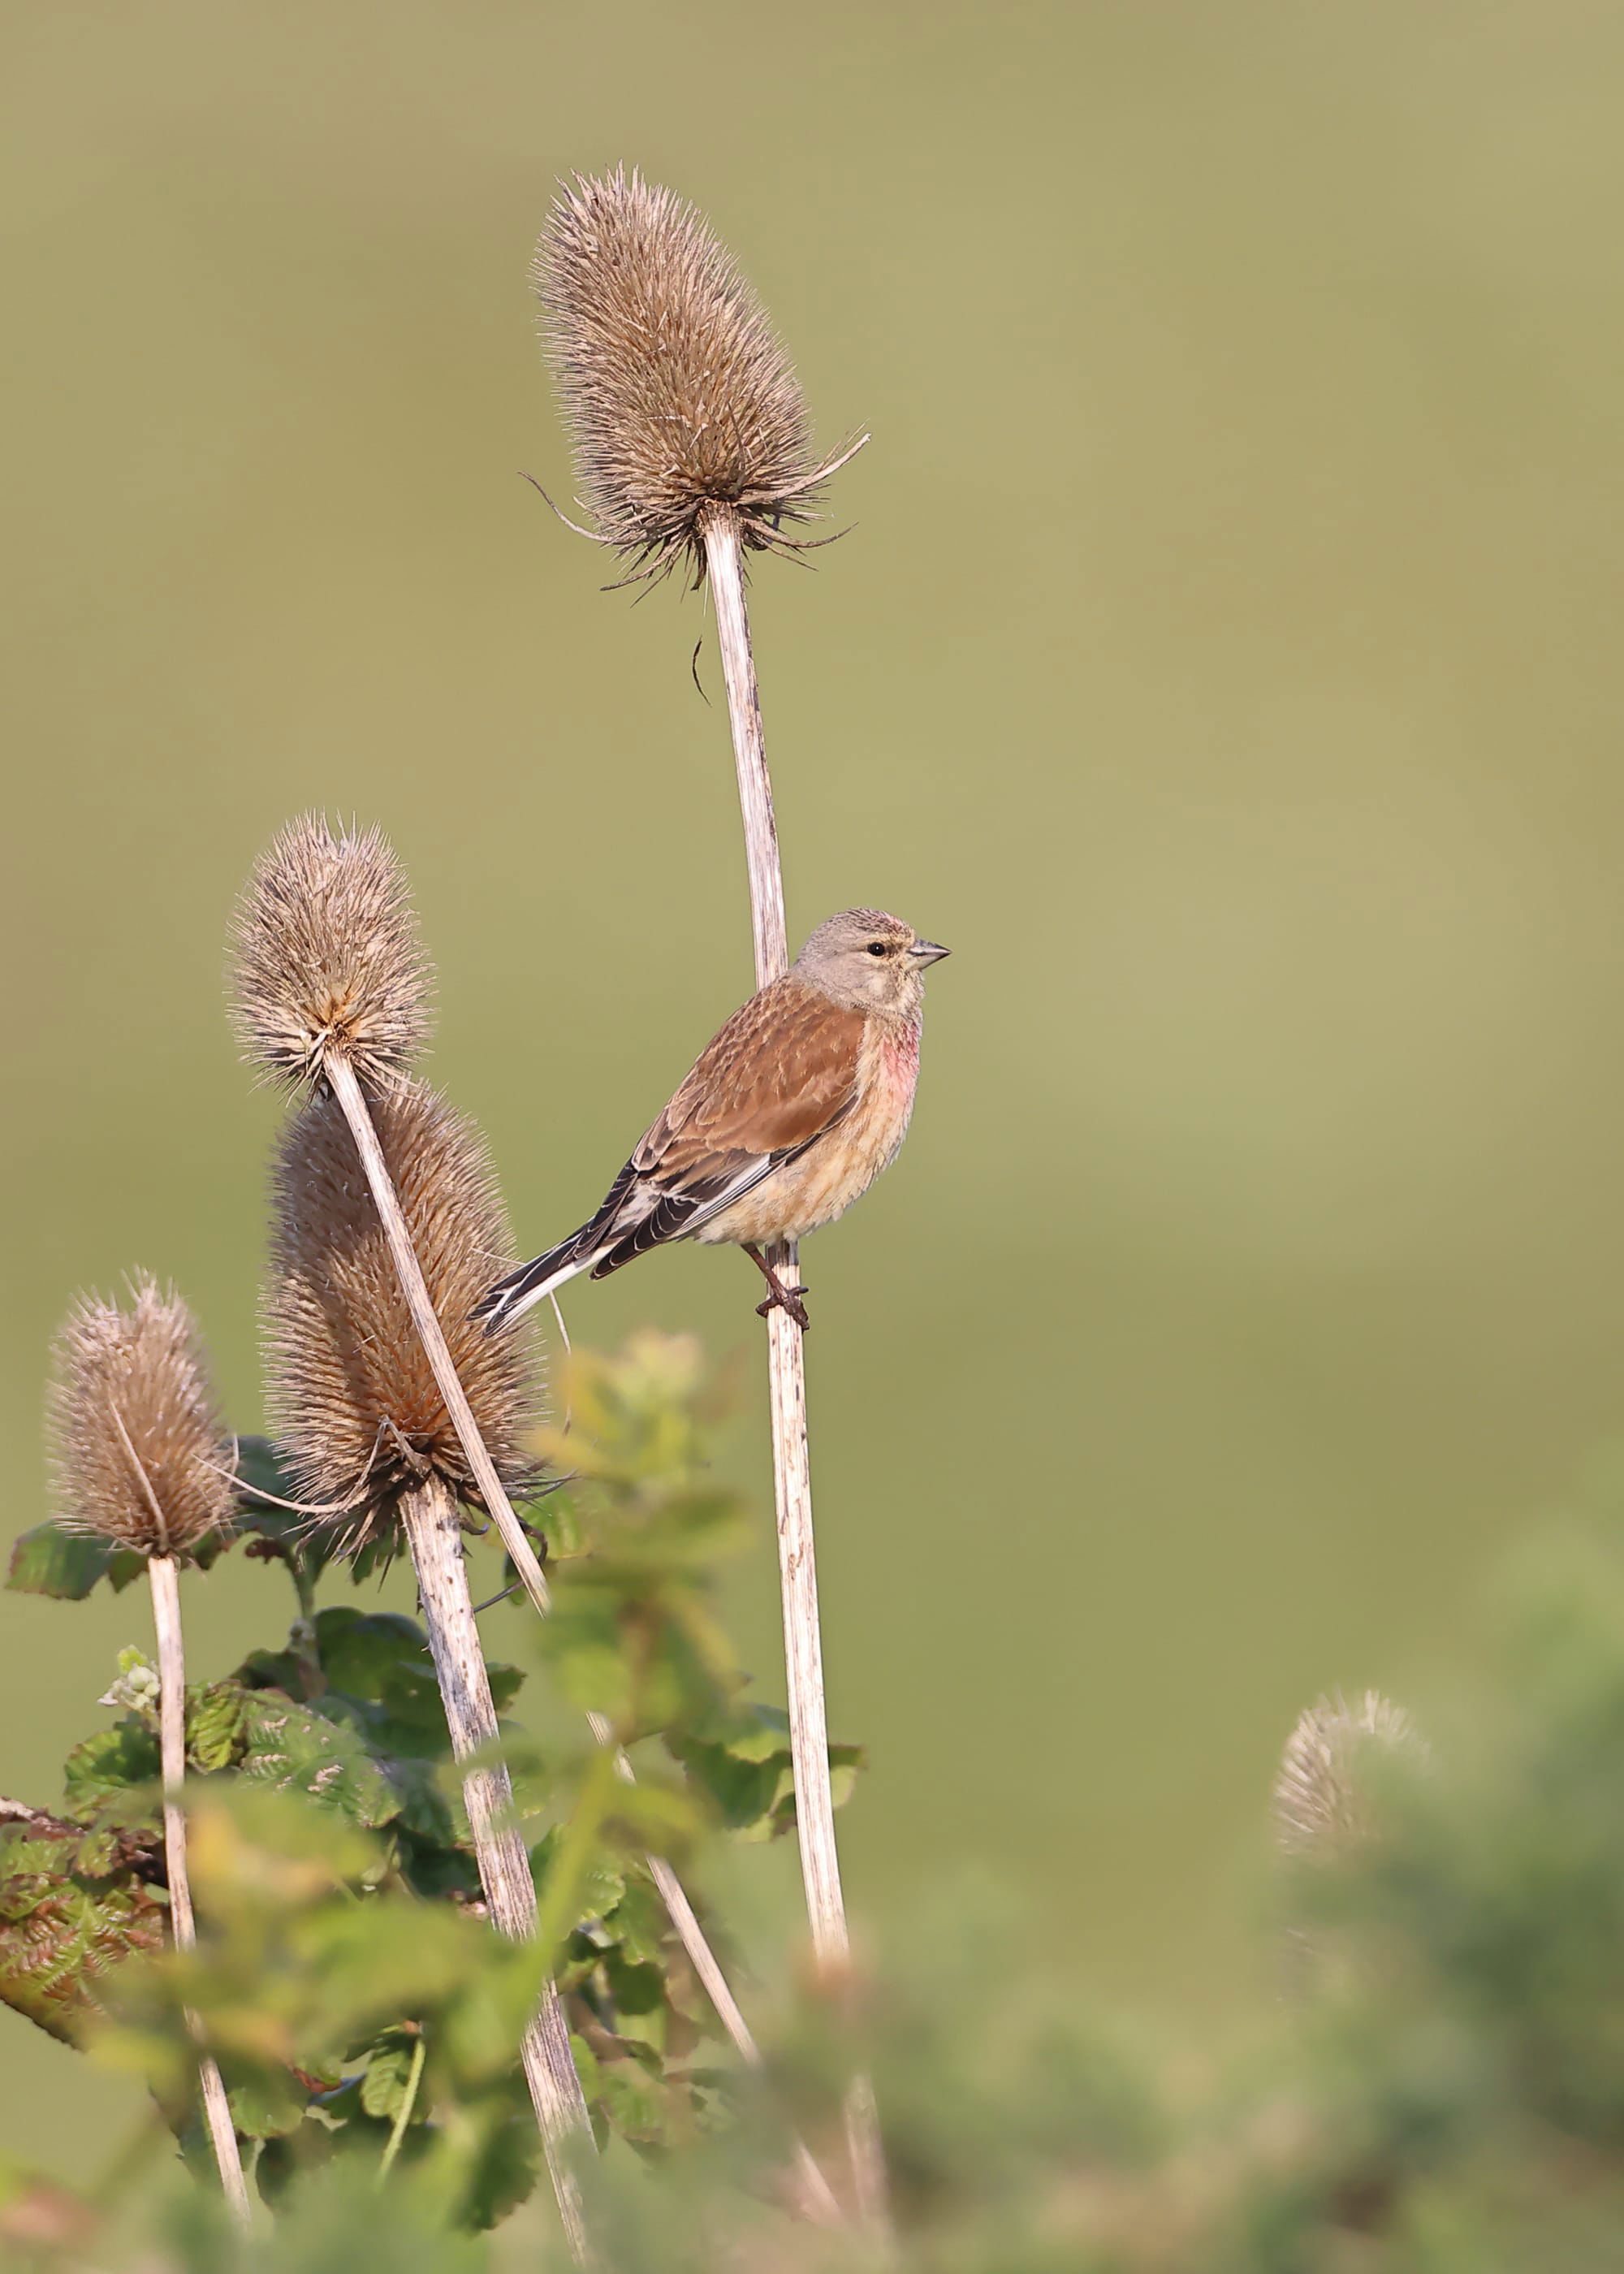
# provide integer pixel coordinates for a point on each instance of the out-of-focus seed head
(679, 398)
(1322, 1794)
(138, 1453)
(352, 1396)
(328, 959)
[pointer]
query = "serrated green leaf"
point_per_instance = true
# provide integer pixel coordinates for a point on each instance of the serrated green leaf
(112, 1763)
(215, 1725)
(601, 1887)
(293, 1749)
(48, 1561)
(503, 2173)
(639, 1923)
(744, 1792)
(64, 1925)
(636, 2105)
(749, 1778)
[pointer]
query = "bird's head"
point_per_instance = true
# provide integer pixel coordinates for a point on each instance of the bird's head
(868, 962)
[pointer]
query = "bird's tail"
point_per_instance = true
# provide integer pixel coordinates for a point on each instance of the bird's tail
(532, 1283)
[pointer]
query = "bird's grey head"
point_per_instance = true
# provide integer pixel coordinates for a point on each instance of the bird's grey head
(868, 962)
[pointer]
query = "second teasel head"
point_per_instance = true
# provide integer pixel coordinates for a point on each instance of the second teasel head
(138, 1453)
(353, 1400)
(327, 958)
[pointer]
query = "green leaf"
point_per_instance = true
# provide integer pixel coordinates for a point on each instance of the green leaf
(110, 1763)
(64, 1924)
(635, 1988)
(363, 1653)
(382, 1660)
(259, 1464)
(503, 2173)
(49, 1560)
(270, 2104)
(215, 1725)
(636, 2105)
(389, 2062)
(293, 1749)
(601, 1890)
(640, 1922)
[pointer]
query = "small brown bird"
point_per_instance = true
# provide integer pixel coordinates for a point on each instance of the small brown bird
(787, 1117)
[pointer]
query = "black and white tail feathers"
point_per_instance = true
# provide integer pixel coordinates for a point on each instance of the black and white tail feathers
(638, 1213)
(533, 1283)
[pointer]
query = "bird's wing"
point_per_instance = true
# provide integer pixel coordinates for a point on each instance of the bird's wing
(782, 1071)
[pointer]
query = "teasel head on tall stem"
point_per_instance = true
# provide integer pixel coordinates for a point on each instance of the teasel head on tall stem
(328, 960)
(681, 403)
(377, 1180)
(693, 445)
(138, 1456)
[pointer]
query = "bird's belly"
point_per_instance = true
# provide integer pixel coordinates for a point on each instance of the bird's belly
(839, 1166)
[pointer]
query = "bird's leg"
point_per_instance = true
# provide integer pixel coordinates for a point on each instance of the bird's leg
(781, 1298)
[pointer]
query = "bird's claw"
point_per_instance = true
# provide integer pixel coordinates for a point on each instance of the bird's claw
(786, 1298)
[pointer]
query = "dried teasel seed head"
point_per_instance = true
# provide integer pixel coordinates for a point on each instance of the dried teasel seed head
(326, 957)
(680, 399)
(1322, 1796)
(138, 1453)
(351, 1394)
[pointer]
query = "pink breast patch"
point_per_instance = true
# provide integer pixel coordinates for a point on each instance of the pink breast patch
(900, 1062)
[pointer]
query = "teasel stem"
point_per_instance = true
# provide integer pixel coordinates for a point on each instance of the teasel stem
(434, 1533)
(163, 1574)
(803, 1653)
(433, 1530)
(818, 2199)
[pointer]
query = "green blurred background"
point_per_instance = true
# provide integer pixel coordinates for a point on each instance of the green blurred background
(1224, 661)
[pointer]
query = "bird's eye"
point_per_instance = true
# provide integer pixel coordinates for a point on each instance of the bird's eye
(879, 947)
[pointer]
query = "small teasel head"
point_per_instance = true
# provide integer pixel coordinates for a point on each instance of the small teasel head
(327, 959)
(352, 1397)
(680, 399)
(138, 1453)
(1323, 1799)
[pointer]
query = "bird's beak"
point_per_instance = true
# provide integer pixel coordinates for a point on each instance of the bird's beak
(926, 950)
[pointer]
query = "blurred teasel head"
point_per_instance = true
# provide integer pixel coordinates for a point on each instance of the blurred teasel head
(680, 399)
(352, 1396)
(137, 1454)
(1323, 1798)
(327, 961)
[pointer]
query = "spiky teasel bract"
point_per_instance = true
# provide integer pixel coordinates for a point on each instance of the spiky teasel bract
(1323, 1799)
(679, 398)
(138, 1453)
(327, 958)
(352, 1394)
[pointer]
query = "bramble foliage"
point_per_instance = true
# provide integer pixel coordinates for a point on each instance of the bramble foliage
(346, 1978)
(1438, 2089)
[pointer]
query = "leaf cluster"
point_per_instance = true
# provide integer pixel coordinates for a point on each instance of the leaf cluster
(347, 1979)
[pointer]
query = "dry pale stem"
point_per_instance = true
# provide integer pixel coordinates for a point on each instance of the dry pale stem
(814, 1815)
(434, 1535)
(160, 1570)
(819, 2201)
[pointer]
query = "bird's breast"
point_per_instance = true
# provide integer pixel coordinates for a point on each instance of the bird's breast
(842, 1163)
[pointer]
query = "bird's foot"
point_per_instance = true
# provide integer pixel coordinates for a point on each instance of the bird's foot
(780, 1298)
(786, 1298)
